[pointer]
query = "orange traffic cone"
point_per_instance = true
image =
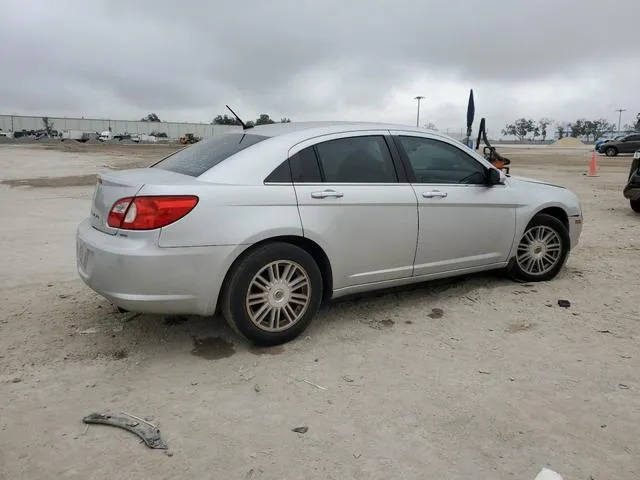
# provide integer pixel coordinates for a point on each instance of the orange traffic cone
(593, 166)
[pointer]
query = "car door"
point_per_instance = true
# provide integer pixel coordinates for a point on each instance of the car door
(354, 203)
(631, 144)
(624, 144)
(463, 222)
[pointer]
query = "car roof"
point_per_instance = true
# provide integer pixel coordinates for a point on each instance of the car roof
(313, 129)
(247, 167)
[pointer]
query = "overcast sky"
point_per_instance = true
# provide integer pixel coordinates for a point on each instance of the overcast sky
(321, 59)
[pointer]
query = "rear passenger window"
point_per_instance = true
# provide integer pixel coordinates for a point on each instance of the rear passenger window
(363, 159)
(282, 174)
(304, 167)
(345, 160)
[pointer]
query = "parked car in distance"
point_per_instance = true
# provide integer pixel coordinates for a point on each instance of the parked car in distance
(627, 144)
(265, 224)
(603, 140)
(126, 136)
(632, 189)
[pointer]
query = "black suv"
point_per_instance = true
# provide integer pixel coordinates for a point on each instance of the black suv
(627, 144)
(632, 190)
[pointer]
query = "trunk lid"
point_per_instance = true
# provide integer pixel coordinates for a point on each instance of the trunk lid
(112, 186)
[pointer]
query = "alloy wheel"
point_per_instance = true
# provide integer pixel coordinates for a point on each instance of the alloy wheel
(278, 296)
(539, 250)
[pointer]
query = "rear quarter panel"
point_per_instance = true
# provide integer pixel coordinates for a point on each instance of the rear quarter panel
(231, 215)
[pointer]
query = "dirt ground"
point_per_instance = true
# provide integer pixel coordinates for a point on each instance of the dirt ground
(476, 377)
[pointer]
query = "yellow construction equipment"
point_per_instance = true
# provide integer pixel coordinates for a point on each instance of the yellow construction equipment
(189, 138)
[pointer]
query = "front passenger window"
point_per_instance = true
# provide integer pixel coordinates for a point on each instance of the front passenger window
(434, 161)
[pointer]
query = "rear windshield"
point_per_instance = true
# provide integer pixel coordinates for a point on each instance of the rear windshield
(201, 156)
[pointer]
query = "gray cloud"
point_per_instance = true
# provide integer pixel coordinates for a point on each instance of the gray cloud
(319, 59)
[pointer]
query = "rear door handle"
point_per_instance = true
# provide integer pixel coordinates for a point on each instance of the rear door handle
(434, 194)
(326, 194)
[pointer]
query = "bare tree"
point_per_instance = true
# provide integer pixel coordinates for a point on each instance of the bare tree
(152, 117)
(264, 119)
(225, 120)
(520, 128)
(543, 123)
(48, 125)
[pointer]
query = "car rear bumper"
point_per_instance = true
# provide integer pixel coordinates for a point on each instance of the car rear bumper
(137, 275)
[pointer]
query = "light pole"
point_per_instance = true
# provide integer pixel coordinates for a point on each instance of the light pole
(620, 110)
(418, 114)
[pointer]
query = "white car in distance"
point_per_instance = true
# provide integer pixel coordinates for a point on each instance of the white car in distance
(266, 223)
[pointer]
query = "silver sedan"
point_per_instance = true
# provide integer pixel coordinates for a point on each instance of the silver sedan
(266, 223)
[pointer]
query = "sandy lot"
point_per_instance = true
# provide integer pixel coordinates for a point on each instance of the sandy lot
(497, 385)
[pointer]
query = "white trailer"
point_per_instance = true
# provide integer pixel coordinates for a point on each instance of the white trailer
(78, 135)
(105, 136)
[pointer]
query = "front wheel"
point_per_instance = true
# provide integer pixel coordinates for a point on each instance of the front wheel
(272, 294)
(611, 152)
(635, 205)
(542, 250)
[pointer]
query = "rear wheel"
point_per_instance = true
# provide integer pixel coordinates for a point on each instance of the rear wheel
(273, 294)
(635, 205)
(611, 152)
(542, 250)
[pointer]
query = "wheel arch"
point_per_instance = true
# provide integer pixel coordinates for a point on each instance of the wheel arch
(555, 211)
(558, 213)
(306, 244)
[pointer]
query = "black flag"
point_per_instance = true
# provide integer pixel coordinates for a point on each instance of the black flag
(471, 111)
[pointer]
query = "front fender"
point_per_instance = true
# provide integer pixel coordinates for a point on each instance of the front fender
(536, 196)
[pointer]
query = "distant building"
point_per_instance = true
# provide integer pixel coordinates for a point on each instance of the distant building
(174, 130)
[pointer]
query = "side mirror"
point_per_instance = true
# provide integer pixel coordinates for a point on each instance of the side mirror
(496, 177)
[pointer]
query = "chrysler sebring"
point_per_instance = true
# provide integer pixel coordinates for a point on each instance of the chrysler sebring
(264, 224)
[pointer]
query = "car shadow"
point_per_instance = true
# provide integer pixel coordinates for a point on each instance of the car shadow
(118, 336)
(463, 283)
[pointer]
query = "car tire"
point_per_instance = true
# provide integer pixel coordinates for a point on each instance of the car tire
(545, 243)
(611, 152)
(635, 205)
(258, 297)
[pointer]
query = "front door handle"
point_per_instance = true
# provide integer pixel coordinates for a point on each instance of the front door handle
(326, 194)
(434, 194)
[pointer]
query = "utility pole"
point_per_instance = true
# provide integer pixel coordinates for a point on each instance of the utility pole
(620, 110)
(418, 114)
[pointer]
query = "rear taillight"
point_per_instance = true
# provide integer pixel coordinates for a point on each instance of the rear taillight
(148, 213)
